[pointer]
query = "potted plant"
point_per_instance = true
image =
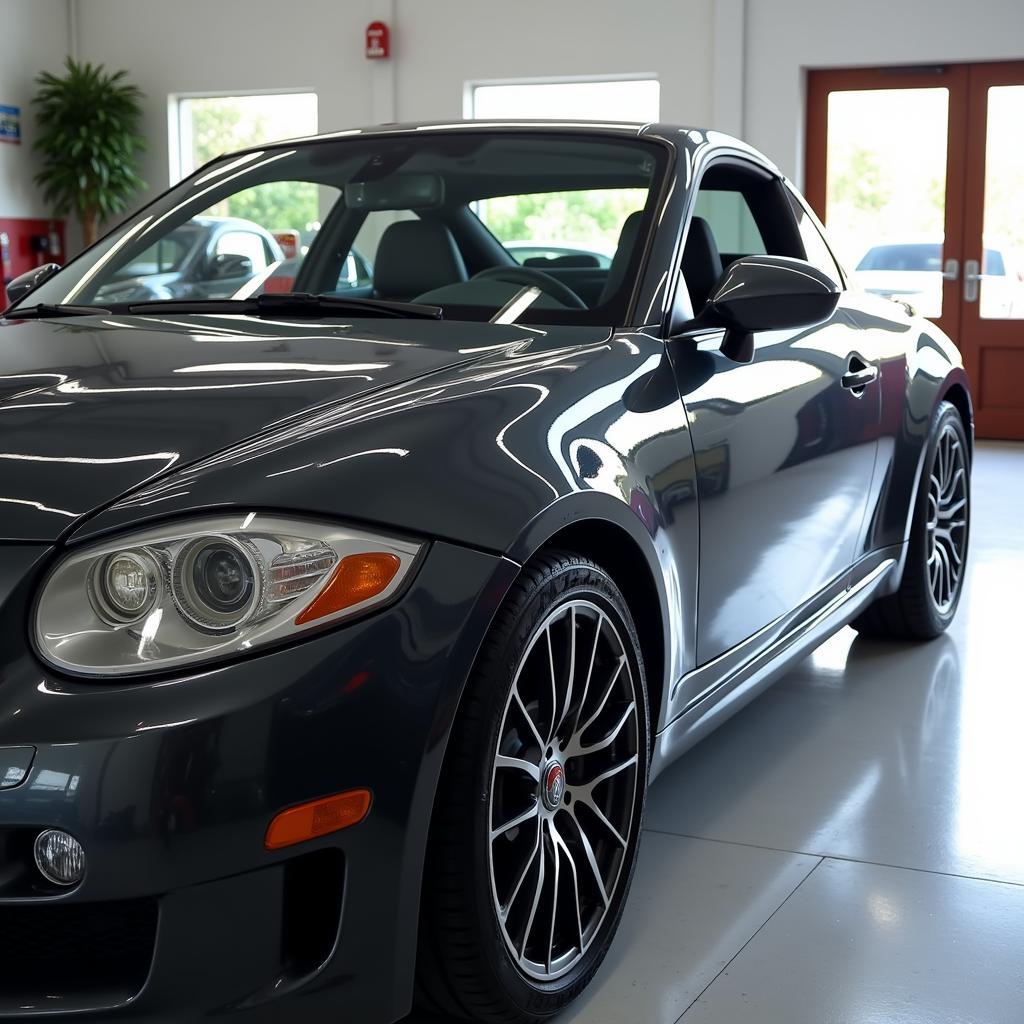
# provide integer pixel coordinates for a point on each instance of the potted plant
(89, 141)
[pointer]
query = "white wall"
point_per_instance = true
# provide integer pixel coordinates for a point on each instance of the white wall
(444, 43)
(231, 46)
(259, 45)
(33, 38)
(785, 37)
(735, 64)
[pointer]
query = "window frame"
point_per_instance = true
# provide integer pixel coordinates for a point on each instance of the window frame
(811, 217)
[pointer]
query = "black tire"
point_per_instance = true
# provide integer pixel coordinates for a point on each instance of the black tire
(467, 967)
(914, 612)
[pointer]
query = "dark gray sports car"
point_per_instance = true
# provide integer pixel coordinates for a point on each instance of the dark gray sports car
(343, 628)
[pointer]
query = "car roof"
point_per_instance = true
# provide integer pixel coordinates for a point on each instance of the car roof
(699, 141)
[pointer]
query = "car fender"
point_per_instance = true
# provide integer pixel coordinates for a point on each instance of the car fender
(501, 456)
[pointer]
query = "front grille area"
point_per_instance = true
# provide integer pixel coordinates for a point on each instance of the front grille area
(77, 953)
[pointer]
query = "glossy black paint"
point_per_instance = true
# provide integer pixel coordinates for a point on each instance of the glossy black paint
(767, 293)
(20, 286)
(767, 487)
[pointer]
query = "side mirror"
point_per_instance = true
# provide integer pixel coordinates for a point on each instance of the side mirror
(228, 266)
(24, 283)
(766, 293)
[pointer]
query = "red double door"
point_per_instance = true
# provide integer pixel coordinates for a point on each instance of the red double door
(919, 175)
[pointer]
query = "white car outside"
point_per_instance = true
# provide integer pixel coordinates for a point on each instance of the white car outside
(911, 271)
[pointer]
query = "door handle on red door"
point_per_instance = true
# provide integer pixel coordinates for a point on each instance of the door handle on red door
(859, 374)
(972, 278)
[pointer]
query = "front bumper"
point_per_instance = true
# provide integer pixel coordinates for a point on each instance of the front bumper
(170, 784)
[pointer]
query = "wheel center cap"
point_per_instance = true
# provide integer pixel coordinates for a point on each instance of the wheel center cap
(554, 785)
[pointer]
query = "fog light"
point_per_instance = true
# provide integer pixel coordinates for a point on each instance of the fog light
(59, 857)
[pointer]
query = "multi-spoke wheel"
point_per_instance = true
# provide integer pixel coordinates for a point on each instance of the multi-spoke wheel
(536, 827)
(563, 789)
(947, 517)
(933, 575)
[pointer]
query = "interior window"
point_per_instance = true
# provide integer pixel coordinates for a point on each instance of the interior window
(816, 250)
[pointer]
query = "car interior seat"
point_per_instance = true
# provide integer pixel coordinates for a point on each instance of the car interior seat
(623, 254)
(416, 256)
(702, 264)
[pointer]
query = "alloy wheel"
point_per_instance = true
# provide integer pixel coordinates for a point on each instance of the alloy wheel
(564, 789)
(948, 511)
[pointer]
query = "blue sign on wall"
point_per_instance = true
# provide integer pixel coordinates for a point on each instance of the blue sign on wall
(10, 124)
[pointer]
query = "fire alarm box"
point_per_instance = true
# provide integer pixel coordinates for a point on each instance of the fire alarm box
(378, 42)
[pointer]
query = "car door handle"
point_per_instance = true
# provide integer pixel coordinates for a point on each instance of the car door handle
(859, 375)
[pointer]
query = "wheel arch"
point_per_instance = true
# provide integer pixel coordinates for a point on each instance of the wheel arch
(615, 550)
(924, 396)
(956, 392)
(654, 567)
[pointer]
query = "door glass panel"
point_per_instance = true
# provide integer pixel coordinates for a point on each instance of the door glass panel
(732, 223)
(886, 190)
(1002, 280)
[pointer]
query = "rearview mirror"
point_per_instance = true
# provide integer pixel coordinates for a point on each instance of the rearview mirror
(24, 283)
(396, 192)
(766, 293)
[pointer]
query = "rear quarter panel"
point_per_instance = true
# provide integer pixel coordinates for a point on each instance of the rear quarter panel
(919, 366)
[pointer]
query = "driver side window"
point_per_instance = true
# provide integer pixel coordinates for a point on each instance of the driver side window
(732, 223)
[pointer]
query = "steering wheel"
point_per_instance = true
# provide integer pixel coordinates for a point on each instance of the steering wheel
(531, 276)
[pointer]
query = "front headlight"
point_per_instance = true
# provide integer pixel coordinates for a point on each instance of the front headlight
(209, 588)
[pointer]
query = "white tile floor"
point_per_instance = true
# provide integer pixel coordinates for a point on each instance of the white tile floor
(849, 849)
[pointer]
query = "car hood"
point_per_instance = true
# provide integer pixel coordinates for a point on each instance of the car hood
(92, 408)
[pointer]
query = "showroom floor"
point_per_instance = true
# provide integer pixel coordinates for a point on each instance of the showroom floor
(850, 847)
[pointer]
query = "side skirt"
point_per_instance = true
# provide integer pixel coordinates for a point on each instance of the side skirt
(740, 686)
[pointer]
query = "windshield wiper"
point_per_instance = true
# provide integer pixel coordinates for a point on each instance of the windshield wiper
(291, 304)
(47, 309)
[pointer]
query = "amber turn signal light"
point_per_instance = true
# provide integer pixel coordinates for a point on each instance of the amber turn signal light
(318, 818)
(356, 578)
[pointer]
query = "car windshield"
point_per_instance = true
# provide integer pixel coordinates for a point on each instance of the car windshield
(166, 256)
(464, 220)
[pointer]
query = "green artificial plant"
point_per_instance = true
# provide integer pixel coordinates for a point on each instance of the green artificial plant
(88, 137)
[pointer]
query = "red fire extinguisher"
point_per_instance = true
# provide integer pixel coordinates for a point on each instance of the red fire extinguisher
(6, 270)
